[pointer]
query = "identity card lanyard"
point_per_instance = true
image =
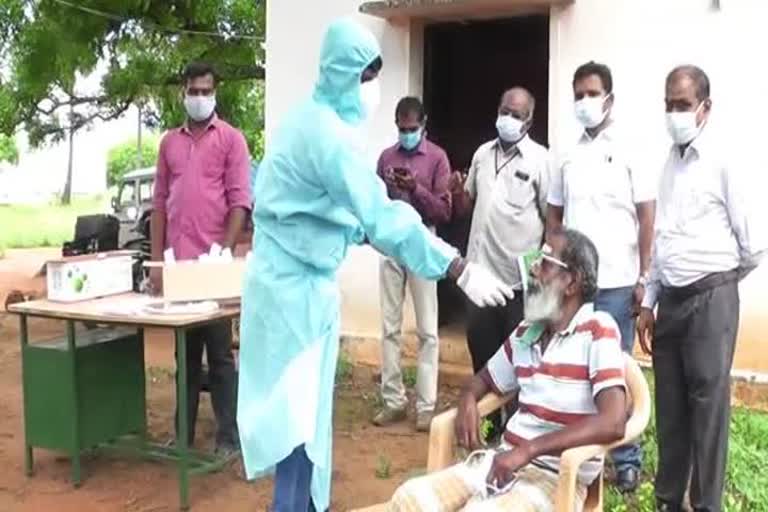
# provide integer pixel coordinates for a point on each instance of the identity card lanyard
(496, 159)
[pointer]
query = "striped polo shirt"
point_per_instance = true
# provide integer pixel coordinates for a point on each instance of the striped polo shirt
(558, 387)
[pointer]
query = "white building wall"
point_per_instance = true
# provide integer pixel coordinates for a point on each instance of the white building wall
(294, 33)
(641, 40)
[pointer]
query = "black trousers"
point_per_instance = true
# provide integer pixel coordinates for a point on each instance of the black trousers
(487, 330)
(692, 356)
(216, 339)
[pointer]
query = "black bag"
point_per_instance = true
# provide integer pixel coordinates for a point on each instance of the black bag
(93, 233)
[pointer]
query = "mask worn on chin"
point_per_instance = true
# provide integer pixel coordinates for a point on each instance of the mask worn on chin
(200, 108)
(682, 126)
(589, 111)
(410, 140)
(370, 97)
(510, 129)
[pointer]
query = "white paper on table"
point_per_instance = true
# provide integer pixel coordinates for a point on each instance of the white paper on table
(216, 254)
(181, 308)
(130, 306)
(215, 251)
(169, 257)
(146, 305)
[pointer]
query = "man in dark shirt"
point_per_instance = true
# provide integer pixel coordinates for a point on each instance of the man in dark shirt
(415, 171)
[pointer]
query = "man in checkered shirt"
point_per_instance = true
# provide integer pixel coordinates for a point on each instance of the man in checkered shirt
(565, 362)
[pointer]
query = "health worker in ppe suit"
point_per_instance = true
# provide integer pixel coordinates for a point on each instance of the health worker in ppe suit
(317, 195)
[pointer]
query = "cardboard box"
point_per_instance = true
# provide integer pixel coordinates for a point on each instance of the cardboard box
(90, 276)
(194, 280)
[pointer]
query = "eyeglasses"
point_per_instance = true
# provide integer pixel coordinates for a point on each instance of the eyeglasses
(544, 260)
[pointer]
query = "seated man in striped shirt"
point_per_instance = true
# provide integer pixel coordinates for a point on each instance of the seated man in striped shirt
(565, 361)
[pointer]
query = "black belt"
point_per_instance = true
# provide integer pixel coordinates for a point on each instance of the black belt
(704, 284)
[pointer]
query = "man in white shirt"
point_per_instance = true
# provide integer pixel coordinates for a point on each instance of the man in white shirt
(706, 240)
(600, 188)
(508, 181)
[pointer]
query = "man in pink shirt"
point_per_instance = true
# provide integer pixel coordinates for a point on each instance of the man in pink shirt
(201, 197)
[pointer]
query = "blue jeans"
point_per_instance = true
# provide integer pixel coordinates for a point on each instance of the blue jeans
(618, 303)
(293, 482)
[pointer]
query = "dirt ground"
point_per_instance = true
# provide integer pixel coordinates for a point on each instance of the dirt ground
(369, 462)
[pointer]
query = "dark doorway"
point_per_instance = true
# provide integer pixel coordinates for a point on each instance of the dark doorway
(467, 66)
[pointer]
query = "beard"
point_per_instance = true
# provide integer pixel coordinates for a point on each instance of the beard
(543, 303)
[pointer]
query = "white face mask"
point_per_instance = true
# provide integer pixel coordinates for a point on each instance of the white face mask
(370, 97)
(682, 126)
(589, 111)
(510, 128)
(199, 108)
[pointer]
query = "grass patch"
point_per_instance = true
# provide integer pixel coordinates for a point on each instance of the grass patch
(409, 377)
(747, 480)
(343, 368)
(160, 374)
(50, 225)
(383, 468)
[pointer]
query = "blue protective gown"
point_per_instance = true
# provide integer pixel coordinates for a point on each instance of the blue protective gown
(315, 196)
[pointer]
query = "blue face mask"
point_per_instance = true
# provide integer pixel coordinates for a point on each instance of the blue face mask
(410, 140)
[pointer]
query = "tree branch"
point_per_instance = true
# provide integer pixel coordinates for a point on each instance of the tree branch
(83, 121)
(73, 101)
(226, 74)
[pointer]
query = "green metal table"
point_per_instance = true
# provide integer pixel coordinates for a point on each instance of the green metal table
(76, 398)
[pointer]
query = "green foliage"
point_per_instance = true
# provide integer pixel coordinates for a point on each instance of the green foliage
(343, 368)
(8, 150)
(383, 468)
(50, 225)
(123, 158)
(143, 44)
(747, 484)
(410, 375)
(486, 427)
(254, 134)
(747, 479)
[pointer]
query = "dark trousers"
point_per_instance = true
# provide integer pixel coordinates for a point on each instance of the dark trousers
(293, 482)
(692, 355)
(487, 330)
(216, 339)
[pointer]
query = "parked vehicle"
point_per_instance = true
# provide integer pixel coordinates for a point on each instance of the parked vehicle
(133, 205)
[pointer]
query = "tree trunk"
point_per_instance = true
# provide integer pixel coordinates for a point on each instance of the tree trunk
(66, 196)
(139, 159)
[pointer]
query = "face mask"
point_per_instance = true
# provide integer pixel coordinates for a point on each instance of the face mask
(200, 108)
(410, 140)
(589, 111)
(370, 96)
(510, 128)
(682, 126)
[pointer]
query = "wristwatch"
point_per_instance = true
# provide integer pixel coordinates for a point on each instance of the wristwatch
(643, 279)
(456, 268)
